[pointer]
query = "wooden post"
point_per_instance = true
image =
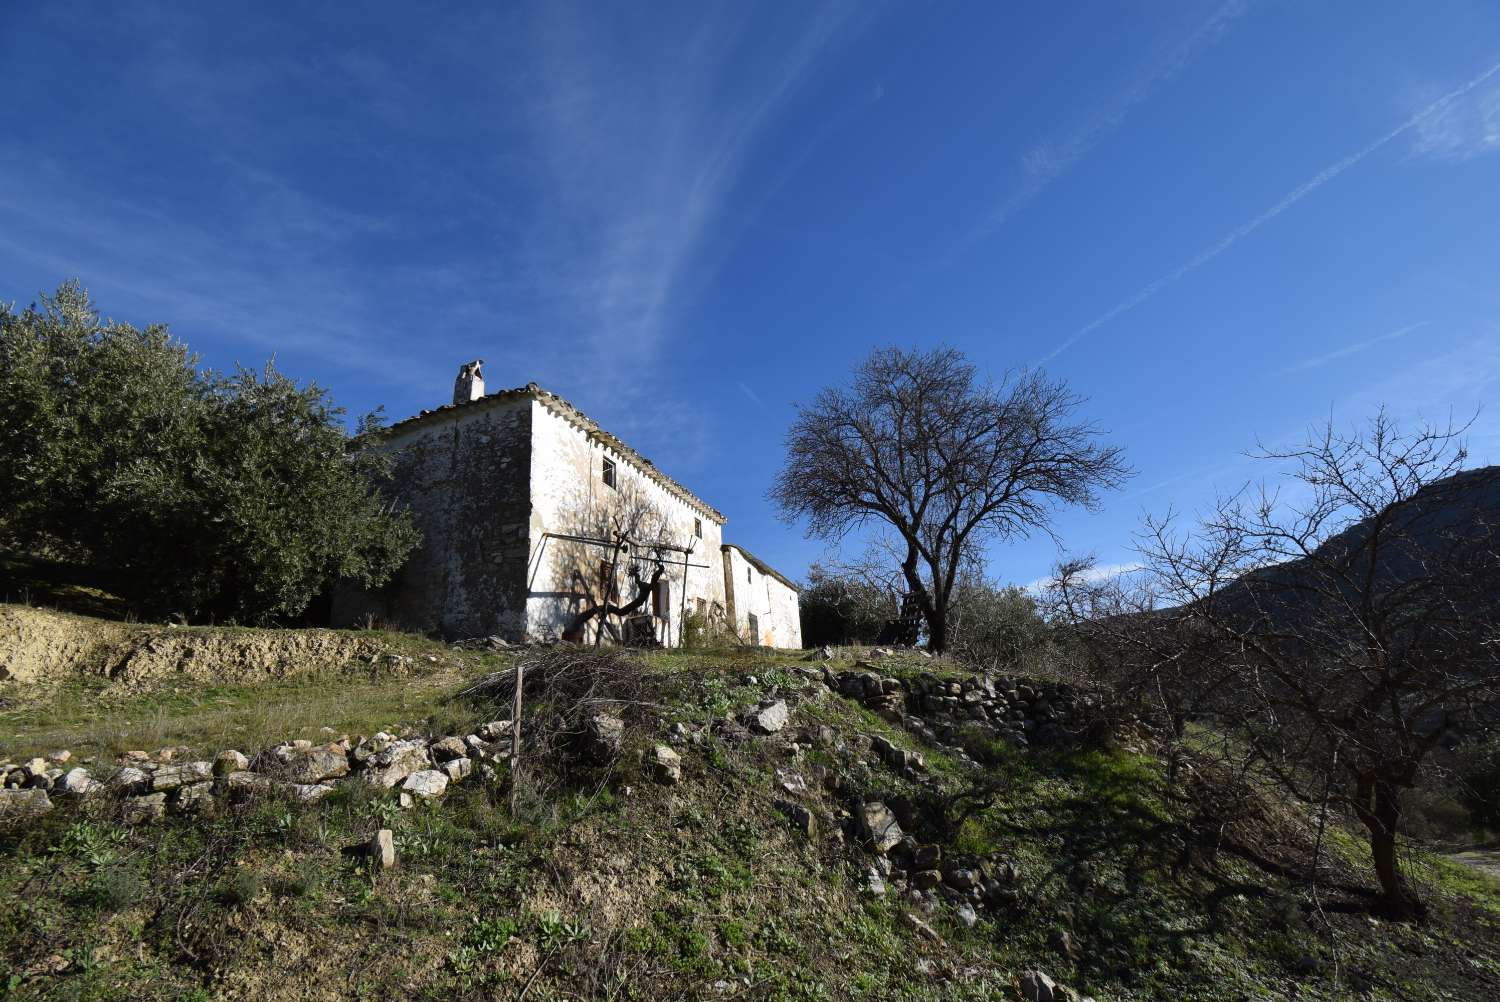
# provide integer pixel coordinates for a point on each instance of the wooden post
(682, 622)
(515, 737)
(609, 586)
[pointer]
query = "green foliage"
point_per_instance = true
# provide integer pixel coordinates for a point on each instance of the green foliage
(1479, 783)
(93, 844)
(841, 609)
(994, 627)
(195, 492)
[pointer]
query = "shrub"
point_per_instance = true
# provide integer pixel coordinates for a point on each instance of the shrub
(1479, 783)
(194, 492)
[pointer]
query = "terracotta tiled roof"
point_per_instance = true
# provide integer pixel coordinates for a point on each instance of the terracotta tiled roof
(555, 403)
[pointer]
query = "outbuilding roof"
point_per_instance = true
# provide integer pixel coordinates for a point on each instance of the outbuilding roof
(568, 412)
(762, 566)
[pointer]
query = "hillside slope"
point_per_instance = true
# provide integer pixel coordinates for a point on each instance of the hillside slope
(613, 882)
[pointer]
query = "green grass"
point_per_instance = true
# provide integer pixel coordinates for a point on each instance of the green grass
(86, 716)
(617, 888)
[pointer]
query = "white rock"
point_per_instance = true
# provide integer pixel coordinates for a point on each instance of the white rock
(666, 765)
(879, 825)
(169, 777)
(457, 769)
(770, 718)
(129, 780)
(383, 849)
(426, 783)
(228, 761)
(78, 782)
(396, 763)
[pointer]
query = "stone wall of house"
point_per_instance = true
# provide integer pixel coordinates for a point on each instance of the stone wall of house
(569, 496)
(465, 478)
(778, 619)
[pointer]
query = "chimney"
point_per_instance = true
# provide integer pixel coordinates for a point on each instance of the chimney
(470, 383)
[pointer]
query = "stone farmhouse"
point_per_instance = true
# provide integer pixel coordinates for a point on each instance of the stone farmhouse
(537, 524)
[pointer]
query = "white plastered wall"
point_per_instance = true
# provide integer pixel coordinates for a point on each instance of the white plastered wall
(568, 496)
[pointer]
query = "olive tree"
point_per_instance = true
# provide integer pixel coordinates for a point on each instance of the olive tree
(948, 461)
(191, 492)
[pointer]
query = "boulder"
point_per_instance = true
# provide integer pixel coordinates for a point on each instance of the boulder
(961, 878)
(449, 748)
(966, 916)
(78, 782)
(139, 810)
(170, 777)
(130, 780)
(309, 793)
(494, 730)
(195, 798)
(426, 783)
(924, 880)
(382, 849)
(801, 818)
(247, 784)
(18, 805)
(1037, 987)
(1061, 941)
(228, 761)
(791, 782)
(879, 826)
(604, 736)
(398, 761)
(666, 765)
(60, 757)
(314, 765)
(457, 769)
(768, 719)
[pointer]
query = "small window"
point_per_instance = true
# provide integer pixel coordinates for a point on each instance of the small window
(749, 575)
(609, 472)
(698, 527)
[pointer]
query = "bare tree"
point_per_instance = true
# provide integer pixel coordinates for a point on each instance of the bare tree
(626, 533)
(1336, 633)
(949, 462)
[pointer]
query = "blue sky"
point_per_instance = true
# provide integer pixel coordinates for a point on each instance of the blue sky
(1219, 221)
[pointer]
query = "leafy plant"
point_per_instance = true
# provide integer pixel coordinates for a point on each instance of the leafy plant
(94, 845)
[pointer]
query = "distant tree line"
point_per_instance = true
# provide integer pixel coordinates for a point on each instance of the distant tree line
(232, 496)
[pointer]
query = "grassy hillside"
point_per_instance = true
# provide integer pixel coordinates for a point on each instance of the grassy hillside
(608, 884)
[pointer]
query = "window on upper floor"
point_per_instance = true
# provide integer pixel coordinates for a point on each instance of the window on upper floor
(698, 527)
(749, 575)
(609, 472)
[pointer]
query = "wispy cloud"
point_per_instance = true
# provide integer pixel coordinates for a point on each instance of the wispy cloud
(754, 397)
(1296, 195)
(1054, 156)
(1352, 349)
(1094, 575)
(1462, 130)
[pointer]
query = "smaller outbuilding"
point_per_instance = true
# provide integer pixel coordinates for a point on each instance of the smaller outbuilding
(762, 603)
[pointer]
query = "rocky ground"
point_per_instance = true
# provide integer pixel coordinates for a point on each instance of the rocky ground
(779, 827)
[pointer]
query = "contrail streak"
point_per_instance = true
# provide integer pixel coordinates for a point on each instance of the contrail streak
(1296, 195)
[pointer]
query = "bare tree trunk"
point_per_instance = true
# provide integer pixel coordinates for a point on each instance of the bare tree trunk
(937, 628)
(1379, 808)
